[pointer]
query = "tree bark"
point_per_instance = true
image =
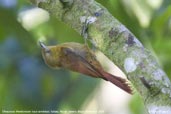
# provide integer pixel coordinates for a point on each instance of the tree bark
(119, 45)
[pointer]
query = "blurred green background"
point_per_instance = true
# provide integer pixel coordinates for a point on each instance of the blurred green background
(26, 83)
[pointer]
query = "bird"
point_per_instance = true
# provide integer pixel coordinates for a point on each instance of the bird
(79, 58)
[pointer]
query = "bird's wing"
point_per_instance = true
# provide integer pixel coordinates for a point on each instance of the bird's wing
(81, 64)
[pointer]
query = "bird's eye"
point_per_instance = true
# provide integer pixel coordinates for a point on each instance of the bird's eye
(47, 51)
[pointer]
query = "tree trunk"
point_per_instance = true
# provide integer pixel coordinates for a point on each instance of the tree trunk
(119, 45)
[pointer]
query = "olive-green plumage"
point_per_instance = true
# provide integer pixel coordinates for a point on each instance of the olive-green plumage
(79, 58)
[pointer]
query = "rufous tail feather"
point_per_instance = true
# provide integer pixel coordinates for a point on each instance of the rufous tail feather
(118, 81)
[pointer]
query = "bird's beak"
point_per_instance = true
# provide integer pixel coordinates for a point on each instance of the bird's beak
(42, 45)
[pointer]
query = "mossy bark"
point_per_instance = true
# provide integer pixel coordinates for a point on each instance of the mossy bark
(120, 46)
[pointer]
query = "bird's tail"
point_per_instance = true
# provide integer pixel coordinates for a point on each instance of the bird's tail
(118, 81)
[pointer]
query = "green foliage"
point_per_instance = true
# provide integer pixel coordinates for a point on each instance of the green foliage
(136, 105)
(26, 82)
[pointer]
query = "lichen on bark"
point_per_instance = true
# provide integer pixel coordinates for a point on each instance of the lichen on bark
(120, 45)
